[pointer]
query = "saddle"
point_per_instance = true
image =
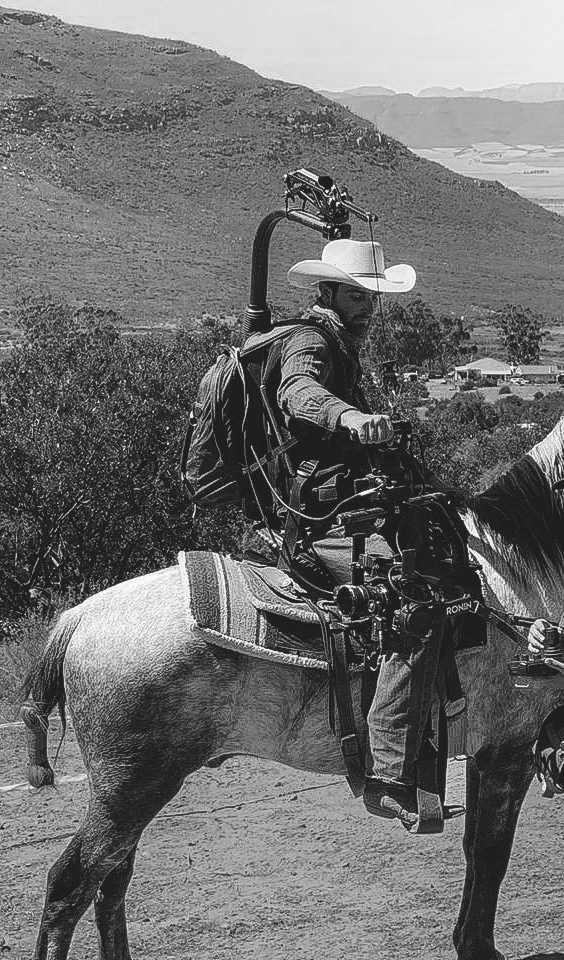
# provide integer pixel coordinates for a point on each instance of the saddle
(259, 607)
(263, 612)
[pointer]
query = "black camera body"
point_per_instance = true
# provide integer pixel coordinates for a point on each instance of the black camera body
(398, 600)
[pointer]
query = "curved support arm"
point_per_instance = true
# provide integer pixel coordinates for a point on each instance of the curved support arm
(257, 313)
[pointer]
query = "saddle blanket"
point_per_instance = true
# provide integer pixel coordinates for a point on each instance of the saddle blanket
(250, 608)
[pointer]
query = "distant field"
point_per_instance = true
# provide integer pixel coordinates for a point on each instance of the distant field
(442, 391)
(533, 171)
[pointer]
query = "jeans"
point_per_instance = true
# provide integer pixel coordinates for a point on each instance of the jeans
(398, 714)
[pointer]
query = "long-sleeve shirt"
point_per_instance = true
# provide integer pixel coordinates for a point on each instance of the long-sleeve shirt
(316, 387)
(320, 380)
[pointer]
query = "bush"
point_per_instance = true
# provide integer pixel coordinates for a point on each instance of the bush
(505, 389)
(91, 424)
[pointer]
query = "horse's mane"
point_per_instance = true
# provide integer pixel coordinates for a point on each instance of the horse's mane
(523, 513)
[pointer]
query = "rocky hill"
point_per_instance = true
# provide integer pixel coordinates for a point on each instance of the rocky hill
(134, 172)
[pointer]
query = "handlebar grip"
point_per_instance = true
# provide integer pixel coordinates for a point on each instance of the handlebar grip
(401, 428)
(354, 436)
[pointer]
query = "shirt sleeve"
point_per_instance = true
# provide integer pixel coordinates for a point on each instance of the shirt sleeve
(308, 381)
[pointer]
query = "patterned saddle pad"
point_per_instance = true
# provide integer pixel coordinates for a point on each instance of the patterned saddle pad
(259, 607)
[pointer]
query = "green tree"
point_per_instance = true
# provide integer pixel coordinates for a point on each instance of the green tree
(456, 345)
(410, 333)
(91, 424)
(448, 435)
(522, 332)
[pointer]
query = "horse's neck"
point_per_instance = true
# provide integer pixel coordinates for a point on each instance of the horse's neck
(548, 454)
(528, 592)
(516, 533)
(496, 710)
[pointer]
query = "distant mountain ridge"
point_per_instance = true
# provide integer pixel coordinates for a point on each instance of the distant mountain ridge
(423, 122)
(134, 172)
(360, 92)
(519, 92)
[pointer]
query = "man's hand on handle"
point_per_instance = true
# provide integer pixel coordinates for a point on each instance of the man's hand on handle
(537, 636)
(535, 639)
(367, 427)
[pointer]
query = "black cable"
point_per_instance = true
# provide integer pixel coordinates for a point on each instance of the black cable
(305, 516)
(382, 324)
(246, 405)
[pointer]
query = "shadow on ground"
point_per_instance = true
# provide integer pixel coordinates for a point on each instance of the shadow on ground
(544, 956)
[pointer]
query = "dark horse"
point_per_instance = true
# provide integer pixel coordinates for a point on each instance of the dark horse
(152, 701)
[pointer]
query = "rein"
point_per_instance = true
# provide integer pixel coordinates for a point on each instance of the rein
(506, 622)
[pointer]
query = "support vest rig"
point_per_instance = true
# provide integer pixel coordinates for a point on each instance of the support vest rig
(432, 579)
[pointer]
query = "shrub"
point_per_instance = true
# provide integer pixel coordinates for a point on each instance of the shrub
(91, 424)
(505, 389)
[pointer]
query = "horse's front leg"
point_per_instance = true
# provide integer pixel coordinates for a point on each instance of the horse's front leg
(471, 819)
(496, 790)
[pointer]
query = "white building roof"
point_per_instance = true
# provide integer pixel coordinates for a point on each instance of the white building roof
(536, 368)
(488, 365)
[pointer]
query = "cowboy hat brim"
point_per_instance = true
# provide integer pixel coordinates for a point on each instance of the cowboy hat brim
(397, 279)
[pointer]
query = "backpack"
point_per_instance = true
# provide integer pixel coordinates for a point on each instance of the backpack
(235, 438)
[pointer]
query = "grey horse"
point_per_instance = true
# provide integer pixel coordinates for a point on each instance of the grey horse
(152, 701)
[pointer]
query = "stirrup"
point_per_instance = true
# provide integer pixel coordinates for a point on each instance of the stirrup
(436, 824)
(388, 808)
(431, 814)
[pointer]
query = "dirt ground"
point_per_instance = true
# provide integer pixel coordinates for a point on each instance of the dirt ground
(256, 861)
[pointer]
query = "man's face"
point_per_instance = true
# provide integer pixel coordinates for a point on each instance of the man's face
(354, 306)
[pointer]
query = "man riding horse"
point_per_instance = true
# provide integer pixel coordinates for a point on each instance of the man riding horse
(323, 407)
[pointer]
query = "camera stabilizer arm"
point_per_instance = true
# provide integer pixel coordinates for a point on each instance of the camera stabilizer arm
(323, 207)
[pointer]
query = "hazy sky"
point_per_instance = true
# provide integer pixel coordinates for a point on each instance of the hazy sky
(338, 44)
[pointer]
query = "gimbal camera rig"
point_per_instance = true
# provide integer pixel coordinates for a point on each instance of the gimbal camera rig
(431, 578)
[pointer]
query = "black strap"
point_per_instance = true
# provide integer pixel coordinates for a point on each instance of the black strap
(271, 455)
(430, 785)
(350, 746)
(335, 646)
(192, 420)
(293, 525)
(448, 678)
(328, 650)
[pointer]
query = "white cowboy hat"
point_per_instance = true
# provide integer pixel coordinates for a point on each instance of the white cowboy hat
(356, 262)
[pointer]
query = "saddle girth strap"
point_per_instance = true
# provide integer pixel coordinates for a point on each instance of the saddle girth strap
(431, 780)
(350, 746)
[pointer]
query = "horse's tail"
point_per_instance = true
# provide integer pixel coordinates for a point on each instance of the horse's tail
(44, 690)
